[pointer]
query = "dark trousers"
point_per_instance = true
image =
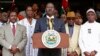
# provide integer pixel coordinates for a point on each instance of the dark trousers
(49, 52)
(0, 50)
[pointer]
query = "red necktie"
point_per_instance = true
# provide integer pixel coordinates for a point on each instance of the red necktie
(13, 29)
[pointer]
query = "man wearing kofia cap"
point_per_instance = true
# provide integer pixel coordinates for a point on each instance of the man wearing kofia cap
(89, 38)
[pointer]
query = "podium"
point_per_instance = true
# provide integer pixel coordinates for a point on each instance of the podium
(37, 41)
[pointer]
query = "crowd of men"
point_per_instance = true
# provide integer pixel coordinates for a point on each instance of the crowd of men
(16, 30)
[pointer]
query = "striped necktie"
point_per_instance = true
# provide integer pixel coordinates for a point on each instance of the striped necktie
(50, 24)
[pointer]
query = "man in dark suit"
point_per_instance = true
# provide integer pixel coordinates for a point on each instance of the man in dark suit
(43, 25)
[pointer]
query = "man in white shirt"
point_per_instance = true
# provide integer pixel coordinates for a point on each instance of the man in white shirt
(89, 38)
(29, 22)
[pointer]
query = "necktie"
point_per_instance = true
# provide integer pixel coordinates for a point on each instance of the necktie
(13, 29)
(71, 31)
(50, 24)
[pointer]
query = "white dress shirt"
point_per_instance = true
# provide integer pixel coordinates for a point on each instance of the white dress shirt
(13, 24)
(0, 24)
(52, 17)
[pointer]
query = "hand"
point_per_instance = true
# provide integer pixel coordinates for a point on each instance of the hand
(93, 53)
(75, 53)
(86, 53)
(18, 50)
(70, 54)
(14, 49)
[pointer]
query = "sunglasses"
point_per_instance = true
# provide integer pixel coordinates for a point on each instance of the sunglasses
(70, 18)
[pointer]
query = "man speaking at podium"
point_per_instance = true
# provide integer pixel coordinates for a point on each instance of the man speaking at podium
(50, 22)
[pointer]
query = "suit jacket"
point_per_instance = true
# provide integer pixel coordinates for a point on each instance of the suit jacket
(41, 25)
(73, 41)
(7, 39)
